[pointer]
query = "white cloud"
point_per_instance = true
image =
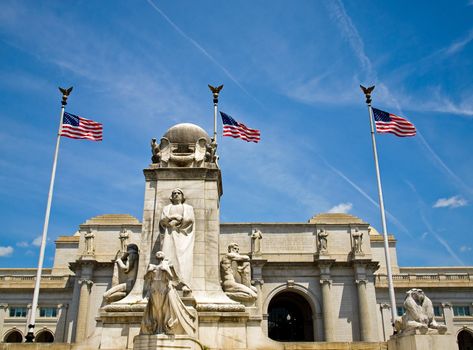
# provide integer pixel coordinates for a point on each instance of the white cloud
(341, 208)
(37, 241)
(425, 234)
(22, 244)
(6, 251)
(452, 202)
(465, 248)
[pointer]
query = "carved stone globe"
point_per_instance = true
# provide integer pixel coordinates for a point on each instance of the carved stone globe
(185, 133)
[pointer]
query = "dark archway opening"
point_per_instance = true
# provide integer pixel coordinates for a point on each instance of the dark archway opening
(465, 340)
(290, 318)
(44, 337)
(13, 337)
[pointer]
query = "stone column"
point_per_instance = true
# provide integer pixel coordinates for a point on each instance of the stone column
(3, 312)
(448, 315)
(364, 311)
(85, 287)
(257, 280)
(60, 335)
(363, 270)
(327, 310)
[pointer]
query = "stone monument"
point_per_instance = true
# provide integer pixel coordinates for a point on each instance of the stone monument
(185, 294)
(417, 329)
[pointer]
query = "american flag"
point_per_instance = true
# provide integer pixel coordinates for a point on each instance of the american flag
(390, 123)
(236, 130)
(77, 127)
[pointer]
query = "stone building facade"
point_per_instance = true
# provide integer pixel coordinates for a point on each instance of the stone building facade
(323, 280)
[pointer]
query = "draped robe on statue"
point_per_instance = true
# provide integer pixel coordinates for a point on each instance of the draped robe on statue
(165, 311)
(177, 238)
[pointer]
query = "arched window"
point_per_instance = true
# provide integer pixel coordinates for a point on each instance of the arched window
(13, 337)
(290, 318)
(44, 337)
(465, 340)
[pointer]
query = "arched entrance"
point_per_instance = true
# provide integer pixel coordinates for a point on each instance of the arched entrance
(290, 318)
(13, 337)
(465, 340)
(44, 337)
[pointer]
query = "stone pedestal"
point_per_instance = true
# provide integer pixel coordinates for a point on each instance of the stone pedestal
(118, 328)
(166, 342)
(422, 342)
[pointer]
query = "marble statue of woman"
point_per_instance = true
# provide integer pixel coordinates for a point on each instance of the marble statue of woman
(165, 312)
(177, 235)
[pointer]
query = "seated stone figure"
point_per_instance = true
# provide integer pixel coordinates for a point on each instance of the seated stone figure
(419, 314)
(243, 291)
(124, 274)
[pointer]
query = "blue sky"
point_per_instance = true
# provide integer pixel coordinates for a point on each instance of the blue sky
(291, 70)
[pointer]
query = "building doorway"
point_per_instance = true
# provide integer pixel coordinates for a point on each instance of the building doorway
(290, 318)
(44, 337)
(13, 337)
(465, 340)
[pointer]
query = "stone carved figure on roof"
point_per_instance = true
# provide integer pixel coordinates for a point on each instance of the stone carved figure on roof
(161, 153)
(177, 234)
(165, 313)
(200, 153)
(418, 315)
(357, 241)
(322, 241)
(89, 242)
(155, 158)
(240, 290)
(124, 274)
(212, 151)
(256, 237)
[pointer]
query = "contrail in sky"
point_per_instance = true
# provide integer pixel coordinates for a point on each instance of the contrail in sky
(443, 242)
(355, 40)
(364, 194)
(202, 50)
(442, 164)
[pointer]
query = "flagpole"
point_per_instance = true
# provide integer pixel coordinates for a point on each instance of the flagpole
(392, 297)
(215, 92)
(32, 317)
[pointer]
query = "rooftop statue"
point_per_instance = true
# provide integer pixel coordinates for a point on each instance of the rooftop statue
(418, 315)
(165, 313)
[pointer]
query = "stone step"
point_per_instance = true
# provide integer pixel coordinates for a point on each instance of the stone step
(335, 346)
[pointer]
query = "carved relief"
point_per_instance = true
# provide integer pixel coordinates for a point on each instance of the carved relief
(165, 313)
(177, 234)
(236, 282)
(124, 274)
(419, 314)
